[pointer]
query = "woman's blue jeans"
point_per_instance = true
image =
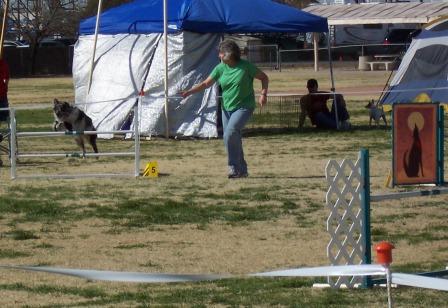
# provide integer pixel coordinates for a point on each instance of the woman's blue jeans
(233, 123)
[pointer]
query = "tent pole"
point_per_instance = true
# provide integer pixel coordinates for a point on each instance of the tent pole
(5, 17)
(333, 89)
(316, 52)
(387, 82)
(92, 61)
(165, 38)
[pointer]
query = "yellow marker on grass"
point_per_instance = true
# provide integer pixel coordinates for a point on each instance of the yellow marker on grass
(151, 169)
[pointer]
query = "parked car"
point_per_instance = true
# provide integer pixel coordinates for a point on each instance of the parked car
(57, 42)
(17, 44)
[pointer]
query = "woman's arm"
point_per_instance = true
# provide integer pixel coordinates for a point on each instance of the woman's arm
(264, 87)
(199, 87)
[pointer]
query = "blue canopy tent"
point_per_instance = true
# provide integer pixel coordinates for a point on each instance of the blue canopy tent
(422, 75)
(205, 16)
(130, 50)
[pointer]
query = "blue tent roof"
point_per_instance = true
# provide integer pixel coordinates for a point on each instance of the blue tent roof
(205, 16)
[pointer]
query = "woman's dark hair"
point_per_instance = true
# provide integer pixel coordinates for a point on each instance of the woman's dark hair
(230, 50)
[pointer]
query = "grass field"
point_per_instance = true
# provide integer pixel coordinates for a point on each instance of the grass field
(192, 219)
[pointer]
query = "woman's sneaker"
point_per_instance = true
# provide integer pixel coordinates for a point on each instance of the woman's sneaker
(238, 175)
(233, 174)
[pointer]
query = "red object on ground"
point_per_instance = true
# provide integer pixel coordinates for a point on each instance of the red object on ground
(384, 253)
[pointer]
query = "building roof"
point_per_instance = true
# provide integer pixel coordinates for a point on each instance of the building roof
(380, 13)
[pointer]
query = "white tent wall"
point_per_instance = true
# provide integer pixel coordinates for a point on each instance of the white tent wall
(121, 65)
(416, 45)
(423, 70)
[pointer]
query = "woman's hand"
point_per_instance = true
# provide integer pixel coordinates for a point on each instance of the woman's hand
(185, 94)
(262, 100)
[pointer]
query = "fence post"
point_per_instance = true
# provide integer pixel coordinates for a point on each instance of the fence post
(278, 57)
(365, 205)
(279, 60)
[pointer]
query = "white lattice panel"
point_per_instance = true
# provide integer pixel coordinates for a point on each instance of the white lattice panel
(344, 224)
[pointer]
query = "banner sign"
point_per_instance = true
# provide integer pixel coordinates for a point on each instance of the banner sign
(415, 144)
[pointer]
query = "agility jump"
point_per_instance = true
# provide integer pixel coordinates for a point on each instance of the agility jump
(16, 155)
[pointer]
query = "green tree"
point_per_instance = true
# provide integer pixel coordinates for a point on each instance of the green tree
(33, 20)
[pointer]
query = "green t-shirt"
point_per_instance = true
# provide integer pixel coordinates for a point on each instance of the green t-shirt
(236, 83)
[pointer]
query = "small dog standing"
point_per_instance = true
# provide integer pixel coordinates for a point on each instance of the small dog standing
(375, 113)
(71, 118)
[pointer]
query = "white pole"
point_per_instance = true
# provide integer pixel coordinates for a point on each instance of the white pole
(5, 17)
(71, 133)
(316, 51)
(74, 176)
(75, 154)
(165, 38)
(388, 282)
(137, 140)
(13, 149)
(408, 194)
(92, 61)
(332, 78)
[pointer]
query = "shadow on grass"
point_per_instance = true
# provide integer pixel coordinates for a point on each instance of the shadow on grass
(288, 177)
(254, 132)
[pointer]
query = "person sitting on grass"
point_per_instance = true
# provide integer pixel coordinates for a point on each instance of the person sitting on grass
(314, 104)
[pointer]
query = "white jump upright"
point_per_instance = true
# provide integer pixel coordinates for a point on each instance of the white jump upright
(348, 199)
(349, 238)
(16, 155)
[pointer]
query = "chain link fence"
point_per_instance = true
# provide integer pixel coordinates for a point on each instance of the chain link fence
(272, 57)
(266, 56)
(281, 112)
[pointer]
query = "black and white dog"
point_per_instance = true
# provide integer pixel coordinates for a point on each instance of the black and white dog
(68, 117)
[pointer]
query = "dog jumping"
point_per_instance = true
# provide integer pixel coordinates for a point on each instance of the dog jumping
(375, 113)
(68, 117)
